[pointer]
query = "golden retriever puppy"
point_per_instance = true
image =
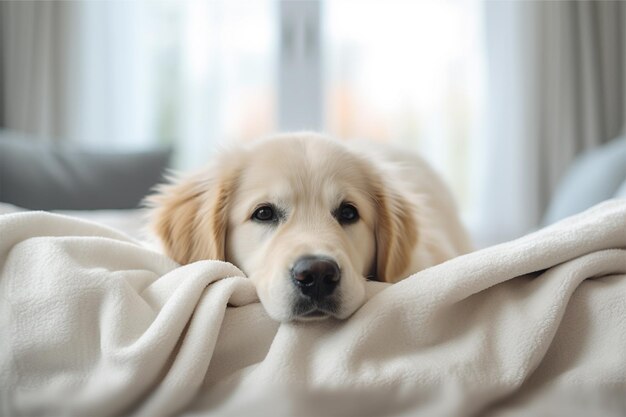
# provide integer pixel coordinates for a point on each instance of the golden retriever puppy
(309, 219)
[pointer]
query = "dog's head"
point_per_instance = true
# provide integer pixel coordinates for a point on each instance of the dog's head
(304, 217)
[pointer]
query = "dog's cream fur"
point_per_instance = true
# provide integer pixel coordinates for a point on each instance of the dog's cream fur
(408, 221)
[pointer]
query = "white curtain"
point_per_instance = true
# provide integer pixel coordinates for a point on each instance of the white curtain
(76, 71)
(556, 81)
(114, 95)
(35, 77)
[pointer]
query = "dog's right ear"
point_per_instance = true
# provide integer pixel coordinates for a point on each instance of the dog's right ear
(189, 215)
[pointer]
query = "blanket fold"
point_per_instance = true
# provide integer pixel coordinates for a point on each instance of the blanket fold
(94, 324)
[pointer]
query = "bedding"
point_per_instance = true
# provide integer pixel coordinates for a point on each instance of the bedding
(94, 323)
(132, 222)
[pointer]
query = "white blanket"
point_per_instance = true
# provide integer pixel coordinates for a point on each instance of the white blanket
(94, 324)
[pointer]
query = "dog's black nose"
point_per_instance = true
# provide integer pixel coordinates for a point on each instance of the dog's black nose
(316, 276)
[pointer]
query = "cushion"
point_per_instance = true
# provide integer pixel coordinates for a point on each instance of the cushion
(621, 191)
(595, 176)
(44, 176)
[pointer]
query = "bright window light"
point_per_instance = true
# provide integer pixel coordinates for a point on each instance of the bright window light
(407, 72)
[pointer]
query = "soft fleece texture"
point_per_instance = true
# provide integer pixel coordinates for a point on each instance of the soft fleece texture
(94, 324)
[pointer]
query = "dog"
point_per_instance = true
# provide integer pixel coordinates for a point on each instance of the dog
(309, 219)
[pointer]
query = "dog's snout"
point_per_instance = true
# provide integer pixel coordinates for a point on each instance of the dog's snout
(316, 276)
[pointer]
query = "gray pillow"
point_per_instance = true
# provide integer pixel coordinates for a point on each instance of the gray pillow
(595, 176)
(42, 176)
(621, 191)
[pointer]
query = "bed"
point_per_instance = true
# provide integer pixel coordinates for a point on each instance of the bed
(95, 323)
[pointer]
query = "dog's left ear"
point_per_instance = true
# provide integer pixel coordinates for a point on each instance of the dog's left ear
(396, 234)
(189, 215)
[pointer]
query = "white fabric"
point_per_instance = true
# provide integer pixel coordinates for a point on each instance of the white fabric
(132, 222)
(92, 323)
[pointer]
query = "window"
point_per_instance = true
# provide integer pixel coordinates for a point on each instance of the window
(214, 73)
(405, 72)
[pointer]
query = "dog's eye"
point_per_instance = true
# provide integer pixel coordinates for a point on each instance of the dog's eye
(346, 214)
(264, 214)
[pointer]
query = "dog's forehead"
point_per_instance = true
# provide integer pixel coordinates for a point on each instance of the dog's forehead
(292, 168)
